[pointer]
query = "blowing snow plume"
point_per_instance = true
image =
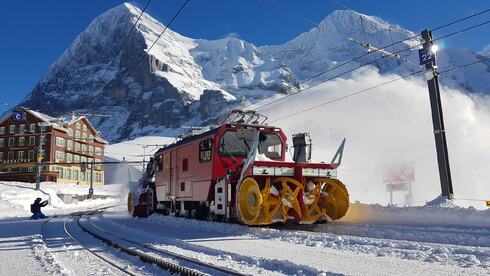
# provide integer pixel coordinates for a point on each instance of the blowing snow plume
(392, 124)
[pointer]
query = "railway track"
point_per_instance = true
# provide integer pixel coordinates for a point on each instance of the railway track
(158, 261)
(72, 237)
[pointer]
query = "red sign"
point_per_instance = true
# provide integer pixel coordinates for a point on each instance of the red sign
(399, 173)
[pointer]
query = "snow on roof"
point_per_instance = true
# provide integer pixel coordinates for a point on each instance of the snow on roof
(54, 122)
(43, 117)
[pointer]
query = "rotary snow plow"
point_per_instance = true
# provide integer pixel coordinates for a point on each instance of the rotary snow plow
(323, 197)
(237, 171)
(301, 191)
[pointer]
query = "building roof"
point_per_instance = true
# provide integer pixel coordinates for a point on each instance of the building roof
(55, 122)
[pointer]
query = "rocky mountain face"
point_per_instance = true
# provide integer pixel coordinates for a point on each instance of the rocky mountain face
(186, 82)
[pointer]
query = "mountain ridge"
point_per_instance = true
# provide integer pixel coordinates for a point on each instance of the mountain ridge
(184, 81)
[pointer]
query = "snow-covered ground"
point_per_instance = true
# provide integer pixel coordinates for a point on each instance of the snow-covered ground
(437, 239)
(134, 150)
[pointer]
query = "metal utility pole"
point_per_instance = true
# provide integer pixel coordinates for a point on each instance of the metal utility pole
(39, 157)
(427, 56)
(91, 189)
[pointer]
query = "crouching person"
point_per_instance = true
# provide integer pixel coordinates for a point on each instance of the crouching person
(36, 208)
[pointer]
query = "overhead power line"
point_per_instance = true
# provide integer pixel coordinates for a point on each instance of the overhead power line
(289, 12)
(127, 37)
(159, 36)
(168, 25)
(459, 20)
(376, 86)
(376, 51)
(368, 63)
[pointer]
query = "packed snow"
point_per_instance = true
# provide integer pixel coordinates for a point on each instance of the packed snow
(435, 239)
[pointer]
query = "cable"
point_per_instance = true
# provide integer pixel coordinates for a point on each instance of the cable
(341, 4)
(368, 53)
(459, 20)
(289, 12)
(168, 25)
(347, 96)
(368, 63)
(126, 38)
(376, 86)
(463, 30)
(464, 65)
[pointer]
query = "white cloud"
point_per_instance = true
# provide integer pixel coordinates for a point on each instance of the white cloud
(393, 124)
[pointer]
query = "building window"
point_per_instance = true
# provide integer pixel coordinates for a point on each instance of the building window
(77, 146)
(98, 151)
(78, 125)
(68, 173)
(91, 150)
(185, 164)
(12, 129)
(98, 177)
(84, 149)
(98, 166)
(69, 157)
(205, 150)
(1, 142)
(77, 134)
(21, 141)
(2, 130)
(20, 155)
(60, 142)
(82, 176)
(69, 145)
(84, 136)
(70, 132)
(83, 159)
(32, 140)
(11, 155)
(22, 129)
(11, 142)
(31, 155)
(85, 128)
(76, 158)
(32, 128)
(75, 175)
(1, 156)
(91, 138)
(60, 156)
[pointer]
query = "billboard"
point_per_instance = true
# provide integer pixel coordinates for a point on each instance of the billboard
(399, 173)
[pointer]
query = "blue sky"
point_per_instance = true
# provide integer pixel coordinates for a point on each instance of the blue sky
(35, 33)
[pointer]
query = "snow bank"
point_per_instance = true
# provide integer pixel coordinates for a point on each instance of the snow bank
(429, 214)
(17, 197)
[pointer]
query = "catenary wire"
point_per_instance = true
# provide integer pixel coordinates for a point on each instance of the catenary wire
(377, 50)
(376, 86)
(127, 37)
(368, 63)
(168, 25)
(289, 12)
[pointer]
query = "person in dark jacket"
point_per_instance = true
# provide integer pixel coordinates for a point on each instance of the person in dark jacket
(36, 208)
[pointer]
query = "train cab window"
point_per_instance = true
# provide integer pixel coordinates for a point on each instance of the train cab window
(231, 145)
(205, 150)
(270, 145)
(185, 164)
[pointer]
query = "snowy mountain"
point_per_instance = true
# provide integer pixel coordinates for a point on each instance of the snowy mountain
(184, 82)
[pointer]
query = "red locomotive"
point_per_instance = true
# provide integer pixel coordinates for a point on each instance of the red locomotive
(237, 171)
